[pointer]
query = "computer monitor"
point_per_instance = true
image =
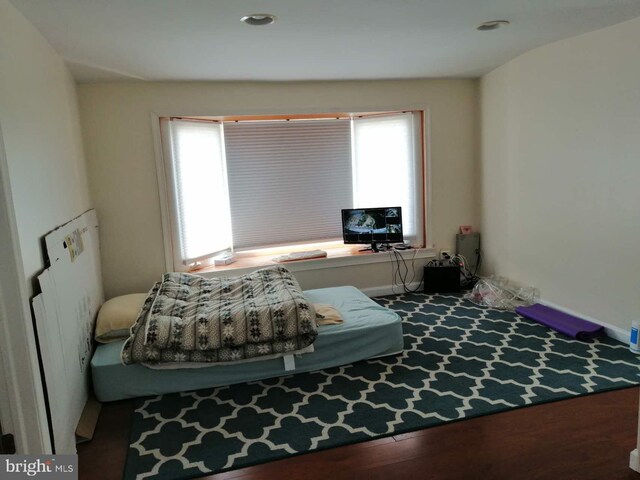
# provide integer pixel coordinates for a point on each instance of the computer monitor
(372, 226)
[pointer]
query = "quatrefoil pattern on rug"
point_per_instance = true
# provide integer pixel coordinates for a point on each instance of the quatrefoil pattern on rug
(459, 361)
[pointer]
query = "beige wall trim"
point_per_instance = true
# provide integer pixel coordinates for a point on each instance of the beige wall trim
(428, 223)
(163, 194)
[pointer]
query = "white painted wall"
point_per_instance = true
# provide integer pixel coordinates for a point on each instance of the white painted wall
(45, 185)
(116, 122)
(42, 137)
(560, 172)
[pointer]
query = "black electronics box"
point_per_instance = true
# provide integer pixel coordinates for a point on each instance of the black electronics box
(442, 279)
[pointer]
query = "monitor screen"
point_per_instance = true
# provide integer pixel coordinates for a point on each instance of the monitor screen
(372, 225)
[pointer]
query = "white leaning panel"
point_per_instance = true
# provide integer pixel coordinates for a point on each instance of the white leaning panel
(65, 317)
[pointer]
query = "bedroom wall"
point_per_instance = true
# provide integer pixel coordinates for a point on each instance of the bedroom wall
(44, 185)
(116, 122)
(560, 172)
(43, 143)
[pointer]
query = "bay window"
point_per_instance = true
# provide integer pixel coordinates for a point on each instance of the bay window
(262, 182)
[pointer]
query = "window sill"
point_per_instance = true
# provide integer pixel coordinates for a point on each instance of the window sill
(342, 256)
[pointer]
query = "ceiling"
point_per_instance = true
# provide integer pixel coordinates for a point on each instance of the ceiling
(158, 40)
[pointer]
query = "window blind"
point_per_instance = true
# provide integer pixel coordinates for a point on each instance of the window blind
(387, 170)
(288, 180)
(198, 180)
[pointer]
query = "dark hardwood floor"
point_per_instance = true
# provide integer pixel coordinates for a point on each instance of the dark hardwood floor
(584, 438)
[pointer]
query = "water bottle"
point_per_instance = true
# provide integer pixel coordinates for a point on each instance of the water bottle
(633, 341)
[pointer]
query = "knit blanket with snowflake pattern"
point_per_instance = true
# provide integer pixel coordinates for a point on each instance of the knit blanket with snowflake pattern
(188, 318)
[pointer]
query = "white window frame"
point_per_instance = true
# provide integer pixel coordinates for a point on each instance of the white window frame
(170, 174)
(410, 216)
(171, 250)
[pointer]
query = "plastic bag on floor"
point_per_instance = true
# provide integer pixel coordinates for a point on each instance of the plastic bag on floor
(500, 293)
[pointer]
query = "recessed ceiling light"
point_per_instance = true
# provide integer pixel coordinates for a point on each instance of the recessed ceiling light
(492, 25)
(258, 19)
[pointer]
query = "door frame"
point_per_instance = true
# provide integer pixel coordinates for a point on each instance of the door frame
(22, 404)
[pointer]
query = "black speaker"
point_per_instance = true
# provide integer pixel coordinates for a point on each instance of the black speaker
(445, 279)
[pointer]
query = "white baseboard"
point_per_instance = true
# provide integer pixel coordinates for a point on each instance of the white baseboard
(612, 331)
(634, 461)
(387, 289)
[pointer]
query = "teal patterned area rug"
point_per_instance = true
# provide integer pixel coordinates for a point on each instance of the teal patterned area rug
(460, 361)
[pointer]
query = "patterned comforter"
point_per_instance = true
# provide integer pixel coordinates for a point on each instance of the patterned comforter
(187, 318)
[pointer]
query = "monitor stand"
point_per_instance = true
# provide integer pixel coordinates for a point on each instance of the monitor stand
(372, 248)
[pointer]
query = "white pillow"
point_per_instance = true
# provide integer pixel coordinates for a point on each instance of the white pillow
(116, 316)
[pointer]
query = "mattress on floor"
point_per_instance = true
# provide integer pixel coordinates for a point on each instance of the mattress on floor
(369, 330)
